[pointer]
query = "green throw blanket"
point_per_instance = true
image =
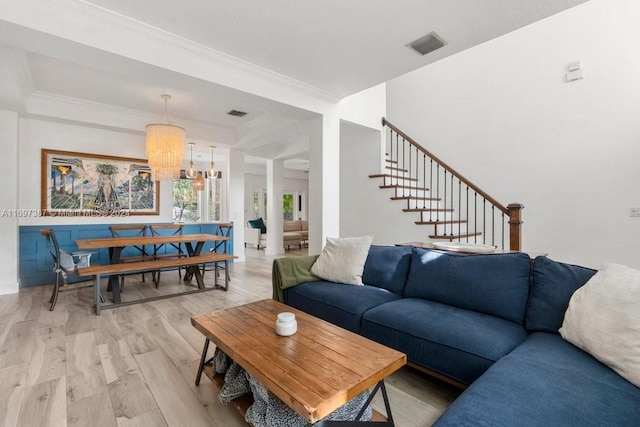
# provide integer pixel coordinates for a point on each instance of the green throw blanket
(290, 271)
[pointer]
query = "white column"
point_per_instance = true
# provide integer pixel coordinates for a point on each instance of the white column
(275, 175)
(324, 179)
(235, 200)
(9, 275)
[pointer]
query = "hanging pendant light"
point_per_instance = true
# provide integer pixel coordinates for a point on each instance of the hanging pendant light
(212, 168)
(191, 173)
(165, 147)
(198, 182)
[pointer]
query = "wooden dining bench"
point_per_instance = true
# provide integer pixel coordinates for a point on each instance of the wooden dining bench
(100, 270)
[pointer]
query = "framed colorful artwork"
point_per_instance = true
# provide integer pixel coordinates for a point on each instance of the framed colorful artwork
(82, 184)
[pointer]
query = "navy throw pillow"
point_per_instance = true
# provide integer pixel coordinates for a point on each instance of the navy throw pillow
(553, 285)
(258, 223)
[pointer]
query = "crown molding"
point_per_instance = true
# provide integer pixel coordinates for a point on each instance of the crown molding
(16, 84)
(43, 104)
(94, 26)
(19, 62)
(34, 116)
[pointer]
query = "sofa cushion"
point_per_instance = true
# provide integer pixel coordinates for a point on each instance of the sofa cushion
(496, 284)
(258, 223)
(336, 303)
(387, 267)
(291, 226)
(459, 343)
(289, 236)
(603, 319)
(551, 289)
(546, 382)
(342, 259)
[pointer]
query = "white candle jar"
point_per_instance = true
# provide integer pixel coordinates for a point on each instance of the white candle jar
(286, 324)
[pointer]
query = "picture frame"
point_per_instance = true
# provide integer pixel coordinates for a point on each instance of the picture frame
(86, 184)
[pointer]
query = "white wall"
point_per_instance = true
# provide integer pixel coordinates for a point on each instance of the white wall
(503, 115)
(38, 134)
(235, 195)
(9, 135)
(365, 108)
(365, 208)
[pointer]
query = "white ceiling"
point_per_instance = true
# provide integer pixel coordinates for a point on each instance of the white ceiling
(341, 46)
(133, 84)
(337, 46)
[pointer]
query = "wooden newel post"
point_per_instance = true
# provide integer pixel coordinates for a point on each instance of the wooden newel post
(515, 228)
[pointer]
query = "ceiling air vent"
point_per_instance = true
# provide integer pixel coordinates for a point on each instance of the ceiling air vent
(428, 43)
(237, 113)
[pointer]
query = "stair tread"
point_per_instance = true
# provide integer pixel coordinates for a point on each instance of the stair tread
(386, 175)
(396, 169)
(416, 198)
(443, 222)
(427, 210)
(411, 187)
(451, 237)
(391, 161)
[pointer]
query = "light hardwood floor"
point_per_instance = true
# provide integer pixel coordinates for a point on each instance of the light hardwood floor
(136, 365)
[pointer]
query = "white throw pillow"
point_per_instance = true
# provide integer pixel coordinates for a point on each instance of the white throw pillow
(342, 260)
(603, 319)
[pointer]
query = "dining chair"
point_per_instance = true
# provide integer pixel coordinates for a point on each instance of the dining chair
(224, 229)
(64, 264)
(141, 254)
(167, 250)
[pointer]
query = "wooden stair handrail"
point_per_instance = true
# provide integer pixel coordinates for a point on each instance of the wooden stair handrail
(448, 168)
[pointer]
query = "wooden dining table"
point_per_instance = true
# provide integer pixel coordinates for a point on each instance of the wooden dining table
(193, 243)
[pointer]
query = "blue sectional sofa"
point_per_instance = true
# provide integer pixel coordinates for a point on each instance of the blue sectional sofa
(489, 321)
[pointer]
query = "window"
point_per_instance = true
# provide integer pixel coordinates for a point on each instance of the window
(185, 201)
(256, 204)
(214, 194)
(288, 204)
(260, 204)
(196, 206)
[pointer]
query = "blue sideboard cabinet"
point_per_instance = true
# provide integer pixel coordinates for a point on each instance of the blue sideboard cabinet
(36, 265)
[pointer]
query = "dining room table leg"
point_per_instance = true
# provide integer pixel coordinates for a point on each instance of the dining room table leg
(193, 270)
(114, 283)
(96, 292)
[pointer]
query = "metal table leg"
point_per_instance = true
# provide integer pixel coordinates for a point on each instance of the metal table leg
(389, 423)
(194, 270)
(97, 295)
(203, 360)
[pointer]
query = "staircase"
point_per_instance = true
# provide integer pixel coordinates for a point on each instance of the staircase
(456, 209)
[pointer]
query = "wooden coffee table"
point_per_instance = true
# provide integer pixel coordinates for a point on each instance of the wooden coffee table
(314, 371)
